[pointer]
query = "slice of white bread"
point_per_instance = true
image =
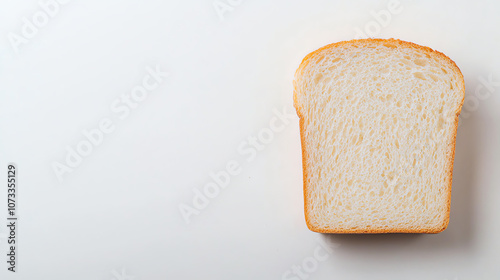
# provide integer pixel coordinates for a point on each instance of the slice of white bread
(378, 121)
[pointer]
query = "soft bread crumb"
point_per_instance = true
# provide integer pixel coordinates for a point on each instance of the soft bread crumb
(378, 121)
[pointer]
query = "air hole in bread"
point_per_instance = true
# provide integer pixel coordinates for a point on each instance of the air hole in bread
(440, 123)
(318, 78)
(419, 75)
(420, 62)
(433, 77)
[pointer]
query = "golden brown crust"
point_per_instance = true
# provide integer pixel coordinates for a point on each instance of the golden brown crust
(397, 43)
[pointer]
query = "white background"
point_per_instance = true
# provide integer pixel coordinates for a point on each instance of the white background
(116, 215)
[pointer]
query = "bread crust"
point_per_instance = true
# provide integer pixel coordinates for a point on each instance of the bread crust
(451, 145)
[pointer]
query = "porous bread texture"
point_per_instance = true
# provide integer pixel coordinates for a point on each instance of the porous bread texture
(378, 121)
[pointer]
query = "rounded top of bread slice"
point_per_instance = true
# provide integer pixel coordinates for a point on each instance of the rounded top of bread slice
(343, 53)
